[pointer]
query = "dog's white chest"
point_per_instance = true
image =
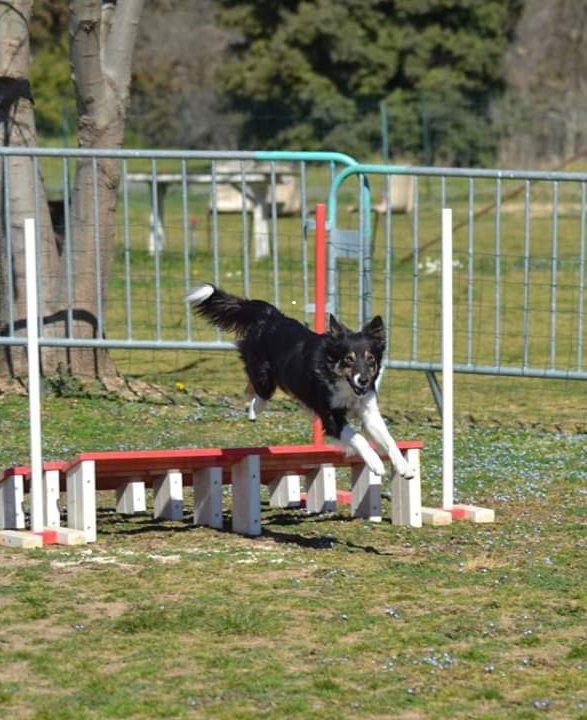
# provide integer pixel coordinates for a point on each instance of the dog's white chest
(344, 397)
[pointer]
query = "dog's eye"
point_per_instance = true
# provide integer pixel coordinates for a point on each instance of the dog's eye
(349, 359)
(370, 360)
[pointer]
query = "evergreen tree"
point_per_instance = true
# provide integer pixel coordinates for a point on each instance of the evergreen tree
(312, 74)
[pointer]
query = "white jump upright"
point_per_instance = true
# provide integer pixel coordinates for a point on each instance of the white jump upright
(443, 515)
(448, 511)
(447, 363)
(36, 494)
(12, 491)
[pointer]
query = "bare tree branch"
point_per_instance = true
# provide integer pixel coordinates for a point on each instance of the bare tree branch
(84, 43)
(120, 43)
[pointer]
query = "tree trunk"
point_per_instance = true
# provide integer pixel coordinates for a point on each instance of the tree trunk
(102, 39)
(17, 128)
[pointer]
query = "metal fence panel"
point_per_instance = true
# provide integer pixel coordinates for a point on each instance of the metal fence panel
(519, 270)
(238, 219)
(243, 220)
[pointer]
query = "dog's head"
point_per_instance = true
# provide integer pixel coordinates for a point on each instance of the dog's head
(356, 356)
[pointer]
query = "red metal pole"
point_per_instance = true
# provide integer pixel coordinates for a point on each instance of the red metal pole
(319, 296)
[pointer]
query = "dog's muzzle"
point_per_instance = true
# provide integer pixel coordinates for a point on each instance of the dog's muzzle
(360, 386)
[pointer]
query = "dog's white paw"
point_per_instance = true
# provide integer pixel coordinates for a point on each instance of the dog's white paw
(405, 471)
(375, 464)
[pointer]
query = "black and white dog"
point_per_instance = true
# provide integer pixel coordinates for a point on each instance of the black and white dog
(333, 374)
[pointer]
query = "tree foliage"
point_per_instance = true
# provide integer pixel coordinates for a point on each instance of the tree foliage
(312, 74)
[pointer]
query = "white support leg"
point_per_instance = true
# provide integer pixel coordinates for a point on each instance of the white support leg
(168, 496)
(11, 503)
(366, 493)
(130, 498)
(81, 499)
(321, 489)
(14, 502)
(406, 498)
(246, 496)
(51, 514)
(284, 491)
(207, 484)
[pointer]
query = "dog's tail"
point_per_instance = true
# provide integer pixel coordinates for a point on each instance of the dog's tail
(226, 311)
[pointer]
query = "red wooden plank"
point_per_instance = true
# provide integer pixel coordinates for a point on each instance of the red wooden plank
(26, 470)
(116, 466)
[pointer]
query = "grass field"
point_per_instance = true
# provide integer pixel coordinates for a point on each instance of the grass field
(321, 616)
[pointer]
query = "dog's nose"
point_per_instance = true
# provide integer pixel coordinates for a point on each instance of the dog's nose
(362, 381)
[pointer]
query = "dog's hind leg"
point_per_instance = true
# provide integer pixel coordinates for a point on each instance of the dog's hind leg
(255, 403)
(261, 385)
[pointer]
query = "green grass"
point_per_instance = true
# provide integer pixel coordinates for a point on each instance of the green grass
(321, 616)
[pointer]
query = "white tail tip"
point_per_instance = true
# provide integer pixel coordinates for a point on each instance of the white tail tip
(199, 294)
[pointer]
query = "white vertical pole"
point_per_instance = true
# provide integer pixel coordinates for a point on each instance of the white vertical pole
(447, 363)
(34, 372)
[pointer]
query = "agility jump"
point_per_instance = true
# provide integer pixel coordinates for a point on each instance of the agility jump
(350, 381)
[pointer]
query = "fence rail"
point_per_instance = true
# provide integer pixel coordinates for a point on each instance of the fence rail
(240, 219)
(519, 268)
(244, 221)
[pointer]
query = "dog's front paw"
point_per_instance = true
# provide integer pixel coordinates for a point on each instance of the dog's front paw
(405, 471)
(375, 464)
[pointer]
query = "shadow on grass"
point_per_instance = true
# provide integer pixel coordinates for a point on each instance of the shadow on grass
(111, 524)
(325, 542)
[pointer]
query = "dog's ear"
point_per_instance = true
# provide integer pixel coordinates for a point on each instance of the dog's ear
(336, 328)
(375, 329)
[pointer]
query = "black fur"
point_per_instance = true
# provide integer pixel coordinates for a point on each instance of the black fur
(328, 373)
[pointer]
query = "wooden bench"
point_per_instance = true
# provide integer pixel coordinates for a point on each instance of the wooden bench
(281, 467)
